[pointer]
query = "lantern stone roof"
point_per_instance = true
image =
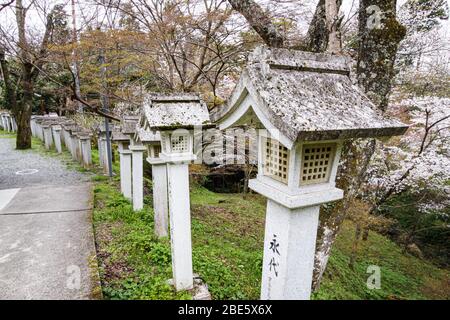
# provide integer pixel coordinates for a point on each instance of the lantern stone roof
(119, 136)
(172, 111)
(146, 136)
(306, 96)
(129, 124)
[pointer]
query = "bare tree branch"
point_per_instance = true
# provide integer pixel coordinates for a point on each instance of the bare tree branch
(260, 21)
(7, 4)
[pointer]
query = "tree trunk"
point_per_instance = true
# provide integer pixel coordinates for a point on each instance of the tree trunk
(23, 114)
(378, 44)
(317, 37)
(333, 23)
(31, 64)
(379, 36)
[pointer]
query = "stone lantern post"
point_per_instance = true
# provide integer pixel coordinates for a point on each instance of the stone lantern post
(175, 117)
(86, 152)
(102, 147)
(48, 138)
(8, 122)
(136, 148)
(56, 131)
(39, 130)
(14, 123)
(159, 177)
(123, 142)
(33, 125)
(305, 106)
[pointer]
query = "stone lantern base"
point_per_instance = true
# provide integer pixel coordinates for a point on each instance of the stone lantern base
(200, 291)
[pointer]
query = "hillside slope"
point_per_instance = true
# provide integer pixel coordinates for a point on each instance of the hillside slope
(227, 233)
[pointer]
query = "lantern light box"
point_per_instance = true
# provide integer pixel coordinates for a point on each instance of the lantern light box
(305, 106)
(175, 116)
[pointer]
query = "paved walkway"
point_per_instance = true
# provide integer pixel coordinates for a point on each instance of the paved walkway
(46, 240)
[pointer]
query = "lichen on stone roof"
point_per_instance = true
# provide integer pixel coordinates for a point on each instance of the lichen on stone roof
(119, 136)
(129, 124)
(308, 96)
(146, 136)
(170, 111)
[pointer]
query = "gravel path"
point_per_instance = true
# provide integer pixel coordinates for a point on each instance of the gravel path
(36, 169)
(47, 246)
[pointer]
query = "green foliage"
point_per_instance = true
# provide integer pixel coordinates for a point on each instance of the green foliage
(428, 230)
(227, 235)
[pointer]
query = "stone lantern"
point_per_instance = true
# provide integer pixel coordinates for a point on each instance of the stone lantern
(305, 106)
(129, 126)
(102, 145)
(48, 136)
(13, 123)
(175, 117)
(152, 140)
(123, 142)
(56, 131)
(86, 151)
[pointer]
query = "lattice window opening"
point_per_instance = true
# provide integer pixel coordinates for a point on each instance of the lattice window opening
(317, 162)
(179, 143)
(276, 160)
(156, 150)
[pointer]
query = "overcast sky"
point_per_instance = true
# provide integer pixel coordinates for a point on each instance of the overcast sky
(85, 12)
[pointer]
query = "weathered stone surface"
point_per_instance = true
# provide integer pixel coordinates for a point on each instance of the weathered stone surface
(308, 96)
(174, 111)
(145, 136)
(129, 124)
(119, 136)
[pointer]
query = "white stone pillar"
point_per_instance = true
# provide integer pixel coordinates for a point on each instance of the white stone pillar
(14, 124)
(63, 136)
(33, 130)
(160, 200)
(289, 247)
(40, 132)
(56, 130)
(8, 123)
(125, 171)
(79, 150)
(67, 140)
(74, 144)
(180, 225)
(101, 157)
(104, 155)
(86, 151)
(137, 154)
(48, 139)
(4, 125)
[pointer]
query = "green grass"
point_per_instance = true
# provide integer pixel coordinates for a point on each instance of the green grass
(227, 234)
(6, 134)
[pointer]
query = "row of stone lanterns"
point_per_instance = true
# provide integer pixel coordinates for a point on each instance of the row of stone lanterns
(8, 121)
(57, 132)
(304, 106)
